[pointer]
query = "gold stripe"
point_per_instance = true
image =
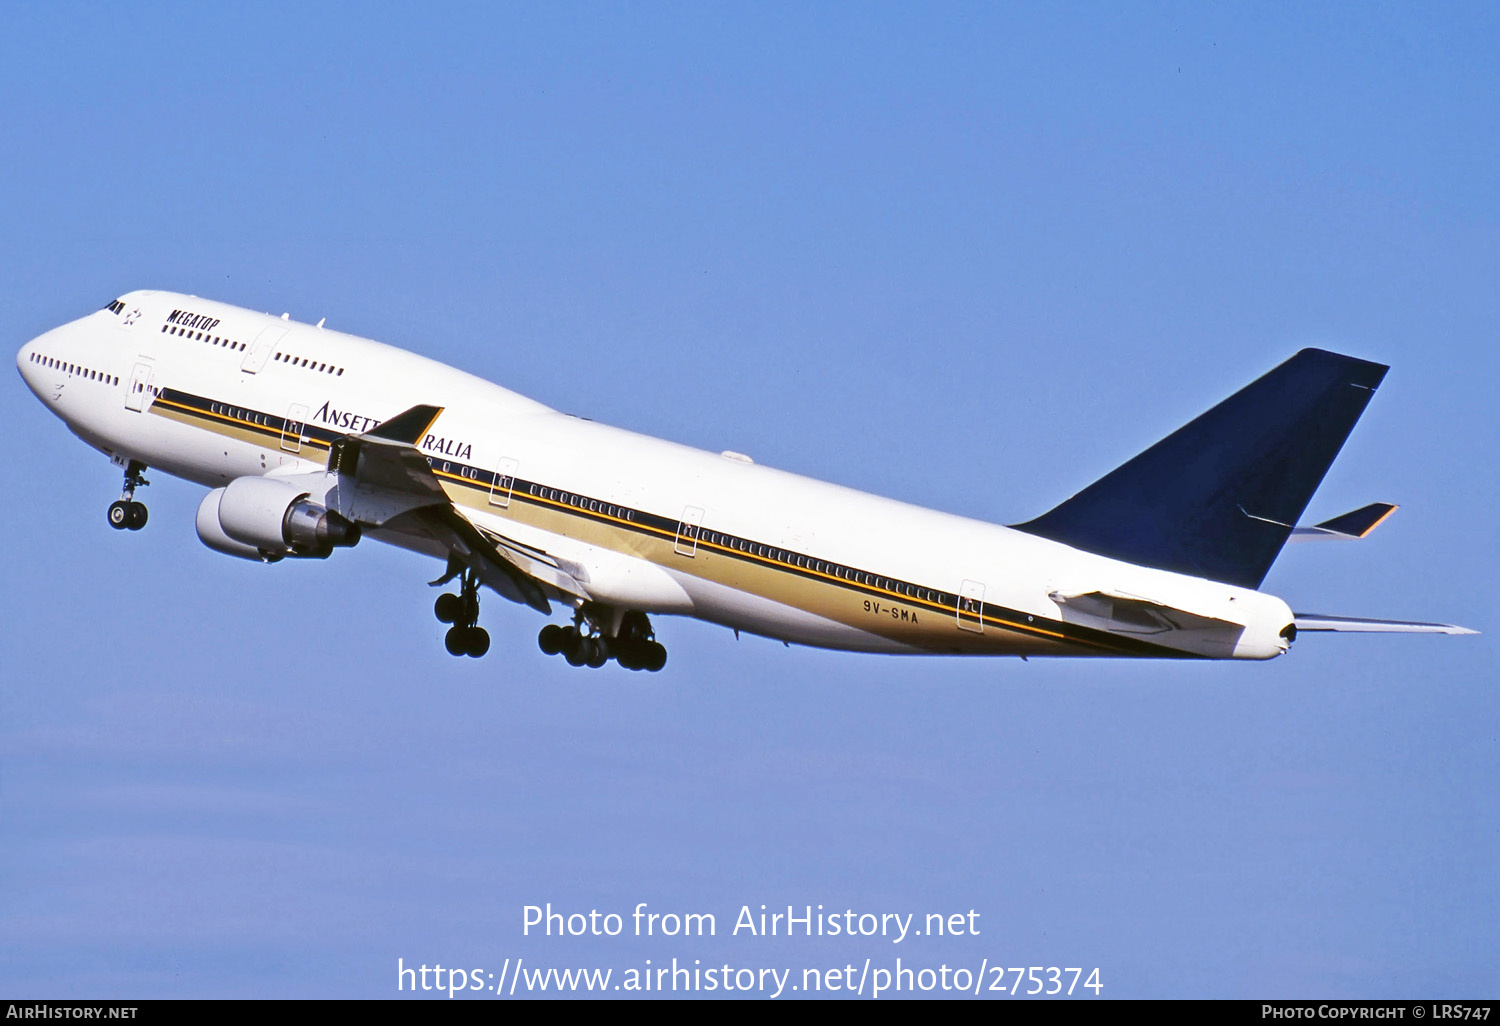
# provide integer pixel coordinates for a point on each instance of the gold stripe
(947, 637)
(844, 585)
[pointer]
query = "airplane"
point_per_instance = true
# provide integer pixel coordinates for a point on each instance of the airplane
(312, 440)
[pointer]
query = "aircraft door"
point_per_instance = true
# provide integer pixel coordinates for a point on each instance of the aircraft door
(292, 428)
(687, 531)
(970, 609)
(138, 394)
(505, 481)
(261, 349)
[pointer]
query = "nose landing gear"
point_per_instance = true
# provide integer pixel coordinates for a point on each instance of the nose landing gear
(126, 513)
(465, 637)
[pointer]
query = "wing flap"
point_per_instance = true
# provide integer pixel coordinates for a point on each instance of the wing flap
(495, 566)
(563, 575)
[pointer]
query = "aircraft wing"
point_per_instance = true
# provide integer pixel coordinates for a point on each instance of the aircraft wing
(385, 481)
(1357, 625)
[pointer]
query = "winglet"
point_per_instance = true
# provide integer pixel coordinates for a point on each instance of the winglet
(408, 427)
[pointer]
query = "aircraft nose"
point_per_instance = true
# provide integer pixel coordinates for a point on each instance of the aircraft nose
(24, 357)
(26, 363)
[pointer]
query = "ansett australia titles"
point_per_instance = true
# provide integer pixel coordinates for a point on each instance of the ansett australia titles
(795, 921)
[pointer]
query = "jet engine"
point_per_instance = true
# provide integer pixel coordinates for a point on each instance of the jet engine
(265, 519)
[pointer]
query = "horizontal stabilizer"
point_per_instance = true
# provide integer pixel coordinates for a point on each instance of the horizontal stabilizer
(1351, 525)
(1351, 624)
(1218, 497)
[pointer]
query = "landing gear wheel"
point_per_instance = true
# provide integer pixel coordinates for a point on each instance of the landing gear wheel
(626, 655)
(465, 637)
(126, 513)
(478, 642)
(448, 607)
(552, 639)
(456, 641)
(573, 649)
(599, 635)
(596, 652)
(467, 641)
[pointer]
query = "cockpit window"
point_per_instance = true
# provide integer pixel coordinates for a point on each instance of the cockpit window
(117, 306)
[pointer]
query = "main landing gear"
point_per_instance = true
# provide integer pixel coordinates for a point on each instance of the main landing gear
(126, 512)
(597, 635)
(465, 637)
(633, 644)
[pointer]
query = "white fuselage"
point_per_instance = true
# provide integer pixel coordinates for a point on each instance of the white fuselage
(211, 393)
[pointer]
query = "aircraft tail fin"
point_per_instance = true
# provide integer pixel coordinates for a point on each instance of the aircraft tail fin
(1218, 497)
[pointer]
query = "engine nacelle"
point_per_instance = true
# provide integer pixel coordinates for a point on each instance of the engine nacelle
(265, 519)
(212, 535)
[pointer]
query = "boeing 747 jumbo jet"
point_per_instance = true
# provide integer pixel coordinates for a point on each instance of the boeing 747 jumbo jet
(312, 440)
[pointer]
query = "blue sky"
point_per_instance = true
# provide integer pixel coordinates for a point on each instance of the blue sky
(971, 256)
